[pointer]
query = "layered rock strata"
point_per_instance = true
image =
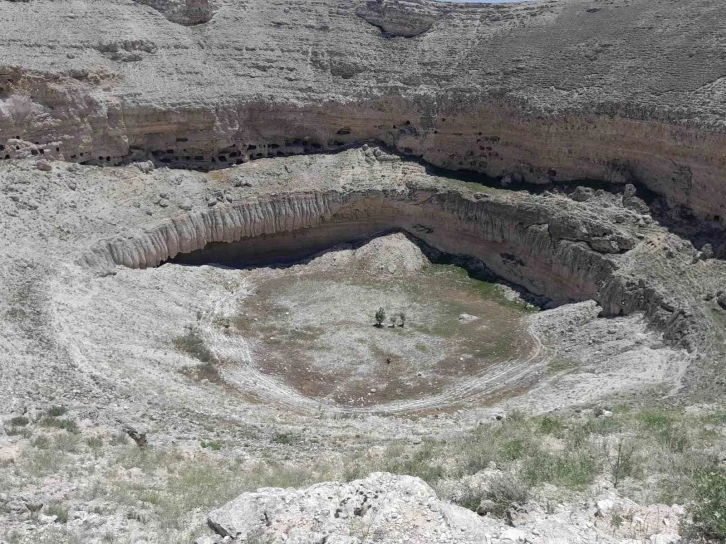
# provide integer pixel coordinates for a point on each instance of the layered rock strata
(548, 251)
(630, 91)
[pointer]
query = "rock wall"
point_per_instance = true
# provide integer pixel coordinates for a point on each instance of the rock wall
(553, 90)
(564, 257)
(184, 12)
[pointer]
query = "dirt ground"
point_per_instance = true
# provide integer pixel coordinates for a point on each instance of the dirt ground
(317, 332)
(305, 337)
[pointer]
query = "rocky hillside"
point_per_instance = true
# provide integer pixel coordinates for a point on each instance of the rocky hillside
(618, 91)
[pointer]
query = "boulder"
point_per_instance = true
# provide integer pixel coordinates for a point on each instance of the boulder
(581, 194)
(380, 508)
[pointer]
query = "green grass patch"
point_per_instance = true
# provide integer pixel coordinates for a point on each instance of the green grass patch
(655, 420)
(709, 511)
(19, 431)
(562, 364)
(551, 425)
(212, 445)
(66, 424)
(573, 470)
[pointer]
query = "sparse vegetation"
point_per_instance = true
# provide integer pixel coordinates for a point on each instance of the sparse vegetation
(566, 452)
(577, 455)
(212, 445)
(66, 424)
(60, 511)
(283, 438)
(194, 345)
(41, 442)
(709, 509)
(94, 442)
(502, 492)
(18, 421)
(57, 411)
(19, 431)
(621, 461)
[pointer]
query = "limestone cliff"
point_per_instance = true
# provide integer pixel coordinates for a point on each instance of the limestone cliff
(530, 242)
(628, 91)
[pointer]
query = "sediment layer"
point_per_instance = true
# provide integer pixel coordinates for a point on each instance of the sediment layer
(549, 252)
(548, 91)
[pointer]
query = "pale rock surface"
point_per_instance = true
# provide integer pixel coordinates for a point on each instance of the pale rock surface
(392, 509)
(554, 90)
(388, 508)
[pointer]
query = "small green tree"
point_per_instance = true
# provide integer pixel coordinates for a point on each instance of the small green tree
(380, 317)
(393, 319)
(402, 316)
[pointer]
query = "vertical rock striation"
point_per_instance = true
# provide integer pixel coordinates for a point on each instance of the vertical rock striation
(552, 253)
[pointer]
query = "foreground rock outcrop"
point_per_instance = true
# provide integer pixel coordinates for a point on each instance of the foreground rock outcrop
(382, 508)
(394, 509)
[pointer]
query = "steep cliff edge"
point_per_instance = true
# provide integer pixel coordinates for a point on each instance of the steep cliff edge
(550, 247)
(551, 90)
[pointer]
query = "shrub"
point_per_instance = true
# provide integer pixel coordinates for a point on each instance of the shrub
(709, 510)
(514, 449)
(66, 424)
(507, 490)
(503, 491)
(57, 411)
(551, 425)
(41, 442)
(283, 438)
(574, 470)
(622, 462)
(66, 442)
(19, 421)
(94, 442)
(212, 445)
(22, 431)
(193, 345)
(675, 438)
(60, 511)
(119, 439)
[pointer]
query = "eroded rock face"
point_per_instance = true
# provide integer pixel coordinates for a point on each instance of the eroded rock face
(184, 12)
(104, 216)
(392, 508)
(541, 91)
(547, 249)
(406, 18)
